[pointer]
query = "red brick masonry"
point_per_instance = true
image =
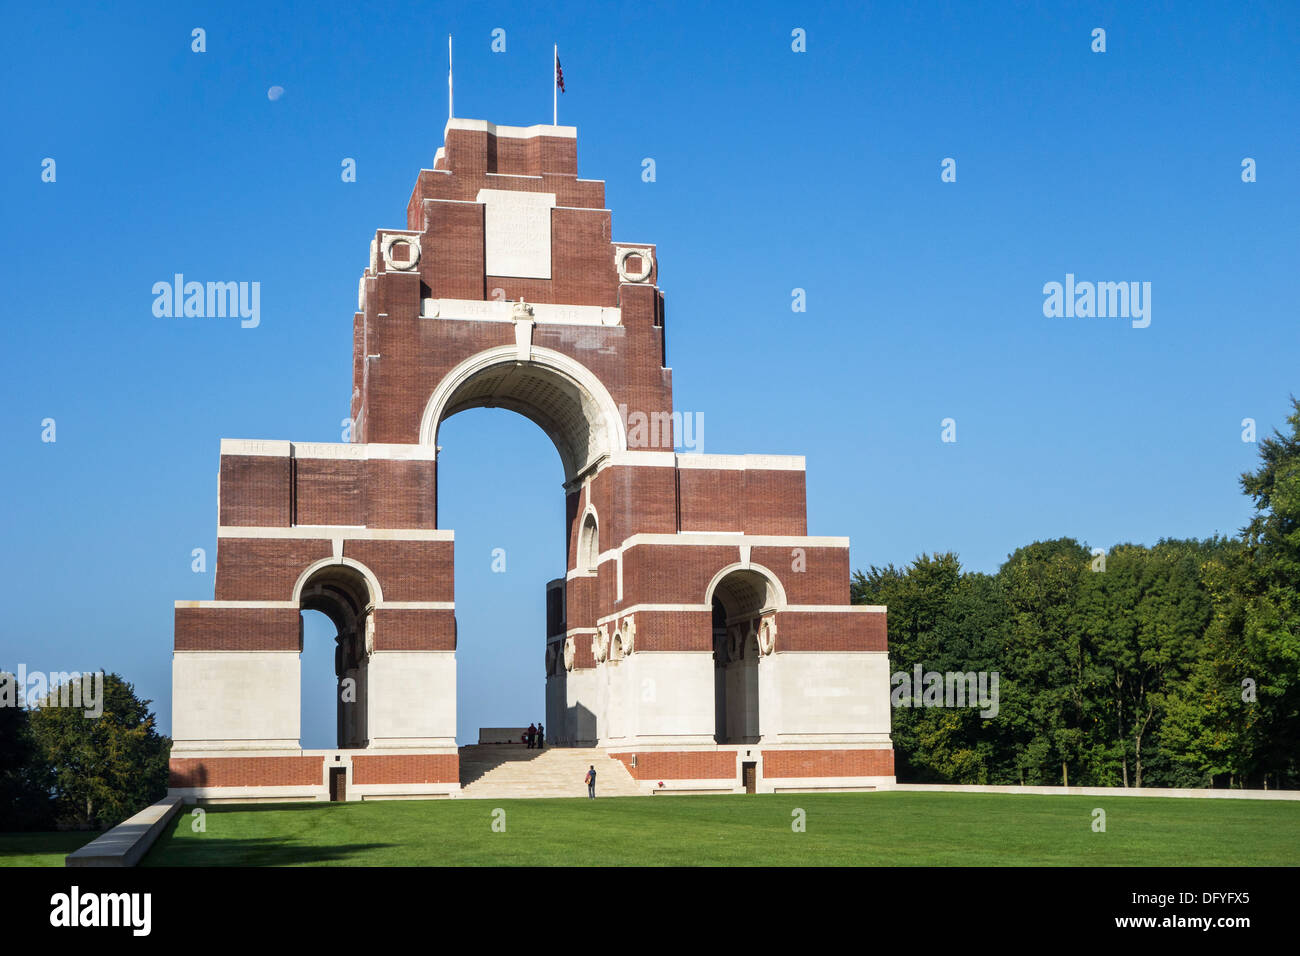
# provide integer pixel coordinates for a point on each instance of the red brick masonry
(828, 763)
(721, 764)
(406, 768)
(247, 771)
(688, 765)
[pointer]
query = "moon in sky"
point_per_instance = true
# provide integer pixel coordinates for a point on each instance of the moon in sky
(274, 93)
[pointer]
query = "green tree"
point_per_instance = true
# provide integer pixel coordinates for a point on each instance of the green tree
(103, 768)
(24, 779)
(1044, 650)
(1239, 714)
(1271, 597)
(1145, 617)
(943, 620)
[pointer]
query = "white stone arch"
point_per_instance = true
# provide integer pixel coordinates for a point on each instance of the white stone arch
(588, 556)
(372, 582)
(560, 394)
(774, 599)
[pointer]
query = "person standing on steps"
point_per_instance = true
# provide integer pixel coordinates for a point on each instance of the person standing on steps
(530, 735)
(541, 736)
(591, 782)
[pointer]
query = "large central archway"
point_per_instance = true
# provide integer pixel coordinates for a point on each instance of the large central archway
(577, 414)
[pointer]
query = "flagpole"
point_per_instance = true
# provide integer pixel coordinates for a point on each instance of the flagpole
(450, 112)
(555, 84)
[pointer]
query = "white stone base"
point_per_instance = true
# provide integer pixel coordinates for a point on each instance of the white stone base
(823, 784)
(245, 698)
(303, 794)
(411, 699)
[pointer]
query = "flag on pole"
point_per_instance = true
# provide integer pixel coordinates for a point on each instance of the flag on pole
(449, 105)
(559, 85)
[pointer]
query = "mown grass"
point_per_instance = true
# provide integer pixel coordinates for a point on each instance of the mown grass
(872, 829)
(40, 849)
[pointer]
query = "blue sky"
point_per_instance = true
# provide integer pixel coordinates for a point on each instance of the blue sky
(775, 170)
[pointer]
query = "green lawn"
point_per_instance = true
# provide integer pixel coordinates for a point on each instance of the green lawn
(40, 849)
(895, 829)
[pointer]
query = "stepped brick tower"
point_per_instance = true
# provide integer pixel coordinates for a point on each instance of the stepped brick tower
(700, 635)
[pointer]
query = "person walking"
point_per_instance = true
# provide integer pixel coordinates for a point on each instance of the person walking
(591, 782)
(541, 736)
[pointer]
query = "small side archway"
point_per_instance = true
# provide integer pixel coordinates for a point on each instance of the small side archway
(589, 543)
(346, 592)
(740, 595)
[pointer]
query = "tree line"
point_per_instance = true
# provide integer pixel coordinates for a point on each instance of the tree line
(1173, 665)
(61, 768)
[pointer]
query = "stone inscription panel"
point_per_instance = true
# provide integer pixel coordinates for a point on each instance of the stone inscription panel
(517, 232)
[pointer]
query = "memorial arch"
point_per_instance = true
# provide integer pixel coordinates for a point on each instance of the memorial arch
(699, 634)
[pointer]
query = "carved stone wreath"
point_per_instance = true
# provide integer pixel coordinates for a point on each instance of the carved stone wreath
(629, 634)
(600, 644)
(647, 263)
(570, 652)
(386, 249)
(767, 635)
(370, 632)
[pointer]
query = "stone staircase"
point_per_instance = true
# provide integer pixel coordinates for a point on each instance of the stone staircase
(503, 771)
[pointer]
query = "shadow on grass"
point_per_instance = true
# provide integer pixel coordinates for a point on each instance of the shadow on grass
(268, 807)
(255, 851)
(36, 843)
(178, 847)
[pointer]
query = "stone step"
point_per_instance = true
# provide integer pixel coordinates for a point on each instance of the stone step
(512, 770)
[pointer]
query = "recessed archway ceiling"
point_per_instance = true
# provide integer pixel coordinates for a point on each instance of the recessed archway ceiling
(569, 416)
(339, 592)
(743, 593)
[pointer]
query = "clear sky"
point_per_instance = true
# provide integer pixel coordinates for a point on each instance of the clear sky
(775, 170)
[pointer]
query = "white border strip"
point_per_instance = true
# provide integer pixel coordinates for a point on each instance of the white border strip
(838, 608)
(346, 532)
(509, 132)
(339, 451)
(732, 540)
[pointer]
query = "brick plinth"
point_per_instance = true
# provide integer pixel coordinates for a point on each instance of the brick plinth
(828, 763)
(406, 768)
(683, 765)
(246, 771)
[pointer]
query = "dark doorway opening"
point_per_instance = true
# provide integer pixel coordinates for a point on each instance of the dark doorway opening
(338, 784)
